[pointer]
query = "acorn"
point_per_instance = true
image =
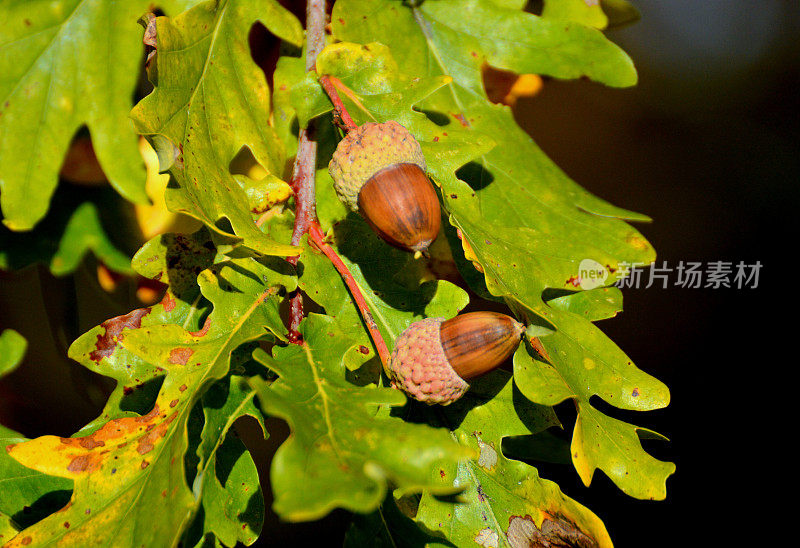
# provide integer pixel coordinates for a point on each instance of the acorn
(433, 358)
(378, 170)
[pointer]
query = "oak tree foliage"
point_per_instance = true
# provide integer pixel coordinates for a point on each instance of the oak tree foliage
(161, 466)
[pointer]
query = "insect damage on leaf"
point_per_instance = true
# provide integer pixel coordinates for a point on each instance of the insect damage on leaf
(522, 532)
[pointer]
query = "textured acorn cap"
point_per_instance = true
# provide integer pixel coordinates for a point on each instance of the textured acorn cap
(418, 365)
(366, 150)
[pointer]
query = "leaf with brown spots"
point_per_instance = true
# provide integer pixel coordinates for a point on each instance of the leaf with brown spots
(26, 496)
(499, 489)
(121, 468)
(8, 528)
(210, 100)
(174, 259)
(112, 474)
(563, 369)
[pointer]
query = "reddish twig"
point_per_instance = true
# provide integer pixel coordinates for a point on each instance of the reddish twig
(303, 185)
(305, 162)
(315, 31)
(305, 213)
(341, 117)
(315, 233)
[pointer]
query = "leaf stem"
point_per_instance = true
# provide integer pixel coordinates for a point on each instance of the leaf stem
(316, 236)
(341, 117)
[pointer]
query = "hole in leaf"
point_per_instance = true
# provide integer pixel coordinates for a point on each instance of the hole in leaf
(244, 163)
(438, 118)
(475, 175)
(142, 397)
(266, 48)
(43, 507)
(535, 7)
(194, 428)
(80, 165)
(224, 224)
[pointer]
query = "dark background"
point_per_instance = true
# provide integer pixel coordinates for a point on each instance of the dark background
(707, 145)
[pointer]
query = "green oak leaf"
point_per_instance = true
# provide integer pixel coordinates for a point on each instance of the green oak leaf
(601, 14)
(65, 64)
(512, 186)
(12, 350)
(585, 363)
(388, 280)
(505, 502)
(7, 527)
(129, 473)
(288, 72)
(385, 94)
(233, 505)
(594, 305)
(520, 218)
(620, 12)
(84, 233)
(64, 237)
(589, 13)
(26, 496)
(371, 74)
(210, 100)
(209, 541)
(511, 4)
(458, 36)
(549, 376)
(341, 452)
(388, 527)
(173, 259)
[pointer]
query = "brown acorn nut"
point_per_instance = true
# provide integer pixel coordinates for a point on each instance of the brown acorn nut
(378, 170)
(434, 357)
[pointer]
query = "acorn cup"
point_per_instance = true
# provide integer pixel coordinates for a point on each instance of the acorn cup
(378, 171)
(433, 358)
